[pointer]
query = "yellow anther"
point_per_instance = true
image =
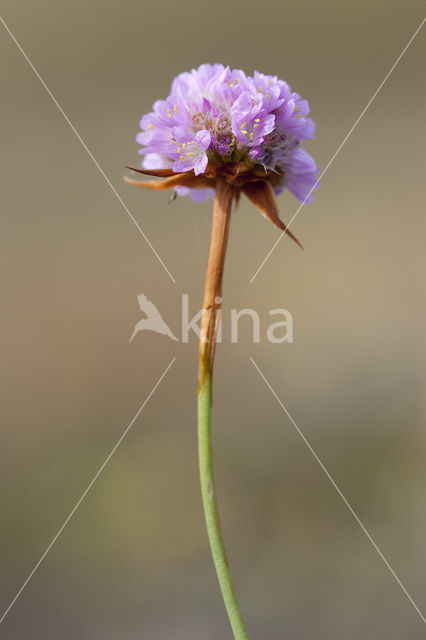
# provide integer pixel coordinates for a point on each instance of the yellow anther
(175, 109)
(182, 158)
(260, 89)
(190, 153)
(257, 119)
(169, 113)
(179, 150)
(150, 126)
(251, 135)
(243, 125)
(190, 142)
(255, 125)
(267, 95)
(231, 85)
(184, 145)
(244, 131)
(236, 80)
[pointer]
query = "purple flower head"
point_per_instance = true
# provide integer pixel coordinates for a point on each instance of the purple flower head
(218, 121)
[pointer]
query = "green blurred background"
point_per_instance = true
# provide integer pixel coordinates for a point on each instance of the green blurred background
(134, 561)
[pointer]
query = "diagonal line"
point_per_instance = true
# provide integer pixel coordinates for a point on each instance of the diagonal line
(95, 162)
(92, 482)
(339, 492)
(345, 139)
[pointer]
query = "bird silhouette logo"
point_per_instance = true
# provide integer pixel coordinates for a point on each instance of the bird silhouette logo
(153, 320)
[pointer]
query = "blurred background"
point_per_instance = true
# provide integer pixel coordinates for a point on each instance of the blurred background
(133, 561)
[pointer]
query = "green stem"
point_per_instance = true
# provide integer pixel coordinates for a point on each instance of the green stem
(211, 512)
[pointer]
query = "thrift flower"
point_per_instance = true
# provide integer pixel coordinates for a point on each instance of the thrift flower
(221, 122)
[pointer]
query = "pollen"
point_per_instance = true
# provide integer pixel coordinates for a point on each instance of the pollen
(169, 113)
(175, 109)
(251, 135)
(150, 126)
(182, 158)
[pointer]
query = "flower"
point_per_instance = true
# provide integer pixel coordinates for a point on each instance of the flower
(221, 122)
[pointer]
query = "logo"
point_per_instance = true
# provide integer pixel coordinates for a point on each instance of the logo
(275, 332)
(153, 320)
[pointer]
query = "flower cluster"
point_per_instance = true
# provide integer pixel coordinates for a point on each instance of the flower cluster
(221, 121)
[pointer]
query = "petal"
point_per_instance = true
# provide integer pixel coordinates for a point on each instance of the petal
(201, 164)
(182, 191)
(203, 138)
(199, 195)
(155, 161)
(181, 166)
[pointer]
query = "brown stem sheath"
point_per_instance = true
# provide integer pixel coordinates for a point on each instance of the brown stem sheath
(212, 302)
